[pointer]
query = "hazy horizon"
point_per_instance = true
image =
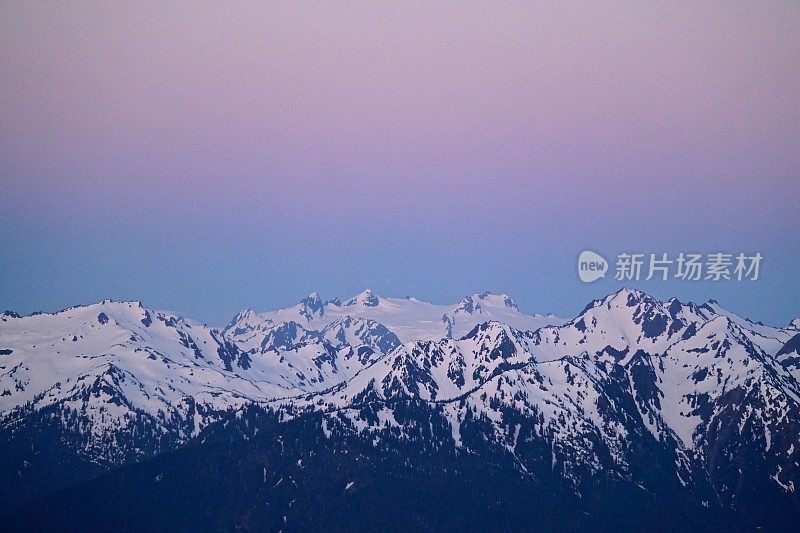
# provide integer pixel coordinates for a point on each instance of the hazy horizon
(523, 306)
(206, 158)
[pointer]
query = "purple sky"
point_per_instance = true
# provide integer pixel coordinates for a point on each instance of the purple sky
(209, 157)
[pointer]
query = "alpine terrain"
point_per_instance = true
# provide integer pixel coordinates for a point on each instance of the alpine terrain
(387, 413)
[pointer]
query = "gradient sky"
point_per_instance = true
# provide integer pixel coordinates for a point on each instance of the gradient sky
(209, 157)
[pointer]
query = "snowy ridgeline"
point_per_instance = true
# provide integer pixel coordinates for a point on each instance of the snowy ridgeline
(627, 365)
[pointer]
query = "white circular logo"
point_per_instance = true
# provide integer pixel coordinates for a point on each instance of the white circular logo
(591, 266)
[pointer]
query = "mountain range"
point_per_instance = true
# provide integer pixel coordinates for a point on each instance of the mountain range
(389, 413)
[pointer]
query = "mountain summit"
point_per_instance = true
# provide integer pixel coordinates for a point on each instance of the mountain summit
(682, 402)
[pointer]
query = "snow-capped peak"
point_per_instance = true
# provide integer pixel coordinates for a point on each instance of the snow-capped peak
(312, 306)
(244, 314)
(365, 298)
(631, 297)
(476, 303)
(468, 305)
(408, 318)
(10, 313)
(243, 320)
